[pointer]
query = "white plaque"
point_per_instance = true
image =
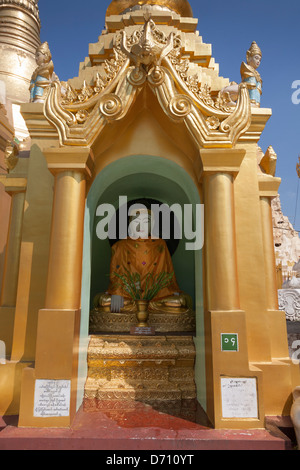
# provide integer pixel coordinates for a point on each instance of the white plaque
(52, 398)
(239, 398)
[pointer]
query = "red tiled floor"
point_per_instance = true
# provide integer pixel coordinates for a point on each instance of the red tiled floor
(138, 427)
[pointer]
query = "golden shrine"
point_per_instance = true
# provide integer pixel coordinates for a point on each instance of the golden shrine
(149, 118)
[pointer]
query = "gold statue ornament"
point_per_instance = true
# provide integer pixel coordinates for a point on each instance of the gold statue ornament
(147, 51)
(43, 74)
(251, 76)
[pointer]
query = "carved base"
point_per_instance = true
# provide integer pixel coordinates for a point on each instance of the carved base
(162, 322)
(156, 371)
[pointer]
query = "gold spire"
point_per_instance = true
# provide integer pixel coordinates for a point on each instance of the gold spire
(20, 24)
(182, 7)
(30, 6)
(19, 40)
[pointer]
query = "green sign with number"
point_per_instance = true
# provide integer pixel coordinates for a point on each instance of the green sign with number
(229, 342)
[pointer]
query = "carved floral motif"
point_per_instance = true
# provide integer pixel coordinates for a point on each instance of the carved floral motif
(289, 302)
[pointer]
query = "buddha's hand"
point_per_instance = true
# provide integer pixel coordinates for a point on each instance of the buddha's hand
(117, 303)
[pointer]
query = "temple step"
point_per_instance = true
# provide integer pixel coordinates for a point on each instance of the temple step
(158, 371)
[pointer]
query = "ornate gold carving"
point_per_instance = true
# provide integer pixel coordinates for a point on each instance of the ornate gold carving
(30, 5)
(150, 48)
(101, 321)
(157, 61)
(81, 116)
(110, 106)
(137, 77)
(180, 106)
(152, 370)
(111, 69)
(213, 122)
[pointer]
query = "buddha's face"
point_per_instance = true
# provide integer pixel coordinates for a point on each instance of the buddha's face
(255, 61)
(140, 226)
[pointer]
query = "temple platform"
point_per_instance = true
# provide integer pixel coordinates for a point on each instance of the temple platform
(138, 427)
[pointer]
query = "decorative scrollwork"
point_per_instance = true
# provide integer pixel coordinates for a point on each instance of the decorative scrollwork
(82, 116)
(147, 55)
(137, 77)
(180, 106)
(156, 76)
(110, 106)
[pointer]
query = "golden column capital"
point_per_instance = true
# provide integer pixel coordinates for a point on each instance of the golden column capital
(212, 161)
(268, 186)
(13, 184)
(79, 159)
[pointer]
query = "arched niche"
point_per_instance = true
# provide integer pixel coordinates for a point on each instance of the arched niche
(137, 176)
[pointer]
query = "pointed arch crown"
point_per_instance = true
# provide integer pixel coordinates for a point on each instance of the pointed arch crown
(166, 60)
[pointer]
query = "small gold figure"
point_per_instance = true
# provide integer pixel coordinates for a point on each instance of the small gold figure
(251, 76)
(43, 74)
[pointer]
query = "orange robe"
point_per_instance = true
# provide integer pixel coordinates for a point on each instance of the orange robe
(142, 257)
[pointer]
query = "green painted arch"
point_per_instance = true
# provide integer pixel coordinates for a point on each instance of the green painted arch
(138, 176)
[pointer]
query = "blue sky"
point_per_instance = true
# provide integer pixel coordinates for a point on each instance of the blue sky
(69, 27)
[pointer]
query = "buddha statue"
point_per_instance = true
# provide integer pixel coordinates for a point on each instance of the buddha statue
(142, 253)
(251, 76)
(43, 74)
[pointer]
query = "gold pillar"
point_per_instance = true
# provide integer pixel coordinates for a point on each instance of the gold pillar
(16, 188)
(269, 253)
(64, 272)
(220, 242)
(13, 248)
(268, 189)
(223, 314)
(59, 322)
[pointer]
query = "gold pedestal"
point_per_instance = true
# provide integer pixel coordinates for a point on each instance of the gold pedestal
(158, 371)
(102, 321)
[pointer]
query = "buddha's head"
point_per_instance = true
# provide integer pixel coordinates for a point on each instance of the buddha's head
(140, 222)
(254, 56)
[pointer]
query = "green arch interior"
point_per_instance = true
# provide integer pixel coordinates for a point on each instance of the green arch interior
(141, 176)
(143, 186)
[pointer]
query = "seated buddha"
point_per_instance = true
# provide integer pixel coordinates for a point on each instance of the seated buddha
(140, 253)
